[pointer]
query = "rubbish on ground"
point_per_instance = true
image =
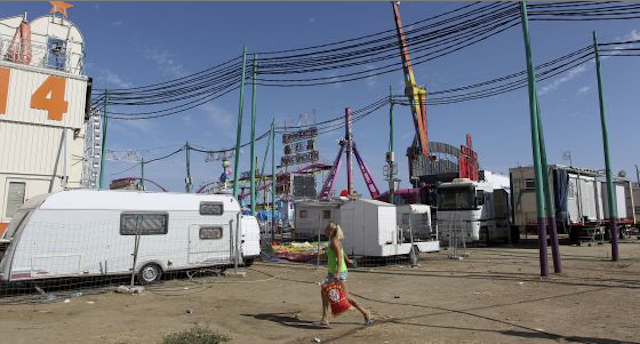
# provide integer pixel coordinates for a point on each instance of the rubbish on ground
(124, 289)
(67, 301)
(298, 252)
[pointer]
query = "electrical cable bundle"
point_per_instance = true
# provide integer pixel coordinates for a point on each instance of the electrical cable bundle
(338, 122)
(187, 92)
(427, 42)
(506, 83)
(583, 11)
(622, 48)
(363, 57)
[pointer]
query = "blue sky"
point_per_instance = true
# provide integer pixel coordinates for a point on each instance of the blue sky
(138, 43)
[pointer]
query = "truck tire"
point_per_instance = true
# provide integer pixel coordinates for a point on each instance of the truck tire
(248, 262)
(515, 234)
(149, 273)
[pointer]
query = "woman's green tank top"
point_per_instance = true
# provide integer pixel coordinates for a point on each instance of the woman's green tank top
(332, 260)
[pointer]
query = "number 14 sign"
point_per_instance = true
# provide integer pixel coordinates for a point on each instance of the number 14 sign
(49, 96)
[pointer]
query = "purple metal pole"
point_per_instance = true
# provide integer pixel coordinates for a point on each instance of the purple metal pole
(349, 142)
(555, 245)
(542, 244)
(613, 221)
(329, 183)
(366, 174)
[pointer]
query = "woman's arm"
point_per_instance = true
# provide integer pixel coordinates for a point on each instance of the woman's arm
(337, 246)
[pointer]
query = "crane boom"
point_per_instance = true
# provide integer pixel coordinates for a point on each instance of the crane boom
(417, 95)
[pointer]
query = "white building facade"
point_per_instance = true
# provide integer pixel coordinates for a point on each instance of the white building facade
(43, 110)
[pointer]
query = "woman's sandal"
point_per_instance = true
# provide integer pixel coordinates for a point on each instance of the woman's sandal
(322, 324)
(368, 320)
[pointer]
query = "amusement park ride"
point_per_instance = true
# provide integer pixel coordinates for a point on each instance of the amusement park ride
(348, 146)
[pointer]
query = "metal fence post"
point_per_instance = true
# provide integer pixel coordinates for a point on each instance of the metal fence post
(136, 246)
(237, 245)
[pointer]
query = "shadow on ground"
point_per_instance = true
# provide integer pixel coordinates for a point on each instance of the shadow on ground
(287, 319)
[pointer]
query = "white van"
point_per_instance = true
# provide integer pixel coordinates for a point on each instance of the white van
(76, 233)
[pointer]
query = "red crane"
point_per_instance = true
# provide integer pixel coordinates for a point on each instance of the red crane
(417, 95)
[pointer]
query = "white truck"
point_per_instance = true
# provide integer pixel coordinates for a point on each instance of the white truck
(83, 233)
(473, 210)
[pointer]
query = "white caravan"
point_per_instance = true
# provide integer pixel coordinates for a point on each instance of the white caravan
(78, 233)
(371, 229)
(473, 210)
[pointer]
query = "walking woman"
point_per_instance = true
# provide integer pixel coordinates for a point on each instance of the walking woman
(336, 264)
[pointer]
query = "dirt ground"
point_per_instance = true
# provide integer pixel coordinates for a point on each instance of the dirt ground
(493, 296)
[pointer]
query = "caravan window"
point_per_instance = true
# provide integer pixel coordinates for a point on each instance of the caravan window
(529, 183)
(145, 223)
(15, 198)
(326, 214)
(211, 232)
(211, 208)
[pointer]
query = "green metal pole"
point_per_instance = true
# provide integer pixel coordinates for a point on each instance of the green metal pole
(188, 179)
(274, 179)
(142, 173)
(390, 120)
(535, 142)
(253, 135)
(236, 165)
(104, 137)
(264, 164)
(551, 213)
(611, 198)
(391, 157)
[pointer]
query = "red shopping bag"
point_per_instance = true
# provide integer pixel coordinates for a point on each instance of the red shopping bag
(337, 297)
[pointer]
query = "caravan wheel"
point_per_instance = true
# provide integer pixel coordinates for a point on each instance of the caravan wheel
(150, 273)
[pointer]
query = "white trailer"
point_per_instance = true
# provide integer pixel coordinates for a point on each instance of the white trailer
(371, 229)
(580, 201)
(475, 211)
(311, 219)
(81, 233)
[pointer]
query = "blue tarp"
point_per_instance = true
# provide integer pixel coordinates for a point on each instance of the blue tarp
(561, 186)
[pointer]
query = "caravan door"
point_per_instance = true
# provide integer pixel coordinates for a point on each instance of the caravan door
(209, 244)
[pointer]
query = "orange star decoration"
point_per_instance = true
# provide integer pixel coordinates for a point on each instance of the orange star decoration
(59, 7)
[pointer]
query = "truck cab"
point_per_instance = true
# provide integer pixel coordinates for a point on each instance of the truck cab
(472, 210)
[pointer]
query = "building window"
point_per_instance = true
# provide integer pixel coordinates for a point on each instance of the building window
(57, 53)
(530, 183)
(303, 214)
(211, 208)
(145, 223)
(326, 214)
(210, 233)
(15, 198)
